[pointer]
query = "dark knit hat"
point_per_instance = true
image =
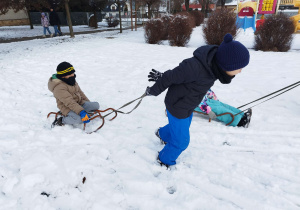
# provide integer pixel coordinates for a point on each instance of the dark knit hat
(232, 55)
(64, 69)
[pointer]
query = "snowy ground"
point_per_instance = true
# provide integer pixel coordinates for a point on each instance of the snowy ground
(223, 167)
(9, 32)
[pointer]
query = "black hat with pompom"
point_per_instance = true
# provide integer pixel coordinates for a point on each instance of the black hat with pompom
(232, 55)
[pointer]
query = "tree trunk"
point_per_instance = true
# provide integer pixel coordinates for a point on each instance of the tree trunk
(131, 15)
(29, 18)
(69, 18)
(95, 16)
(187, 5)
(120, 17)
(149, 11)
(135, 24)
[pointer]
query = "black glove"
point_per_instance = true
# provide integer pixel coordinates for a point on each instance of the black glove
(154, 75)
(148, 92)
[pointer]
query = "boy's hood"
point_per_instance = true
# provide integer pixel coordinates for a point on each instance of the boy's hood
(205, 54)
(53, 82)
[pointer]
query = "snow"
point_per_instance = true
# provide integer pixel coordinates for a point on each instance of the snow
(9, 32)
(223, 167)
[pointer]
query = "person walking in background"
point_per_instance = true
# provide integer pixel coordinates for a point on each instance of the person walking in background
(45, 24)
(55, 22)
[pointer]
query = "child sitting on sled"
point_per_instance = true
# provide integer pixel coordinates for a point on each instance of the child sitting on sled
(71, 101)
(211, 106)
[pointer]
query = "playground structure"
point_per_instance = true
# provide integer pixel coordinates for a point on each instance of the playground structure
(295, 18)
(248, 10)
(246, 14)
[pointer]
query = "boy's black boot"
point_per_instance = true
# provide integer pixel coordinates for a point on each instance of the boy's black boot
(161, 163)
(158, 136)
(245, 121)
(57, 122)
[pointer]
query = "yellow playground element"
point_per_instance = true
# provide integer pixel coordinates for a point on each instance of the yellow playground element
(295, 18)
(247, 4)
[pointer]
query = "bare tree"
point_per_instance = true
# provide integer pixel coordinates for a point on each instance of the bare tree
(5, 5)
(222, 2)
(97, 5)
(149, 4)
(187, 4)
(205, 5)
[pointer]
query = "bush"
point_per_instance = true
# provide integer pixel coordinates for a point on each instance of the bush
(190, 16)
(154, 30)
(166, 19)
(198, 16)
(112, 22)
(276, 34)
(180, 31)
(218, 25)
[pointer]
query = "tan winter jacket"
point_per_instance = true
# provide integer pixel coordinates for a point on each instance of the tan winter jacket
(67, 97)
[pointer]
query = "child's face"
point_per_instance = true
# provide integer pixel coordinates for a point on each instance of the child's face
(67, 77)
(233, 73)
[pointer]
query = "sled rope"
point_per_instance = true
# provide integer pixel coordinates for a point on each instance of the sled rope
(136, 106)
(293, 86)
(290, 88)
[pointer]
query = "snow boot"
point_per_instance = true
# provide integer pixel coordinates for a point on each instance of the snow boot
(57, 122)
(161, 163)
(157, 134)
(245, 121)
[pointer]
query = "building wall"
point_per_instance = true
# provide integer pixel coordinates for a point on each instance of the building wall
(11, 18)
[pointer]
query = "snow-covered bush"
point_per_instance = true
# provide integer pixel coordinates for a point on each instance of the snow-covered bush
(166, 19)
(154, 30)
(190, 16)
(112, 22)
(198, 16)
(276, 34)
(219, 23)
(180, 31)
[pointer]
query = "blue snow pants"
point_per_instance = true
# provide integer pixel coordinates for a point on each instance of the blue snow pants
(218, 107)
(177, 136)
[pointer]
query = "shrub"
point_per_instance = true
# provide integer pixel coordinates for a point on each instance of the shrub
(276, 34)
(199, 17)
(180, 31)
(166, 19)
(154, 30)
(218, 25)
(112, 22)
(190, 16)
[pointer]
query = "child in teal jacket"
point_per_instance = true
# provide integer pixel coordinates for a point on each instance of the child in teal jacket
(212, 106)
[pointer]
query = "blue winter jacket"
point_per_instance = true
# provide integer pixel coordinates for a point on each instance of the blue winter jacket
(188, 83)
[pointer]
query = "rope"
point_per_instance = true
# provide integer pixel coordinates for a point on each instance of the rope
(297, 83)
(136, 106)
(290, 88)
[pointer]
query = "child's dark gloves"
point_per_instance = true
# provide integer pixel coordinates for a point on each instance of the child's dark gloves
(148, 92)
(154, 75)
(84, 116)
(212, 115)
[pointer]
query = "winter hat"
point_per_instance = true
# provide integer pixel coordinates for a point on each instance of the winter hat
(232, 55)
(43, 14)
(64, 69)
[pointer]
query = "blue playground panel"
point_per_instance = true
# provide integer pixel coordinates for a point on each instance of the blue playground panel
(246, 22)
